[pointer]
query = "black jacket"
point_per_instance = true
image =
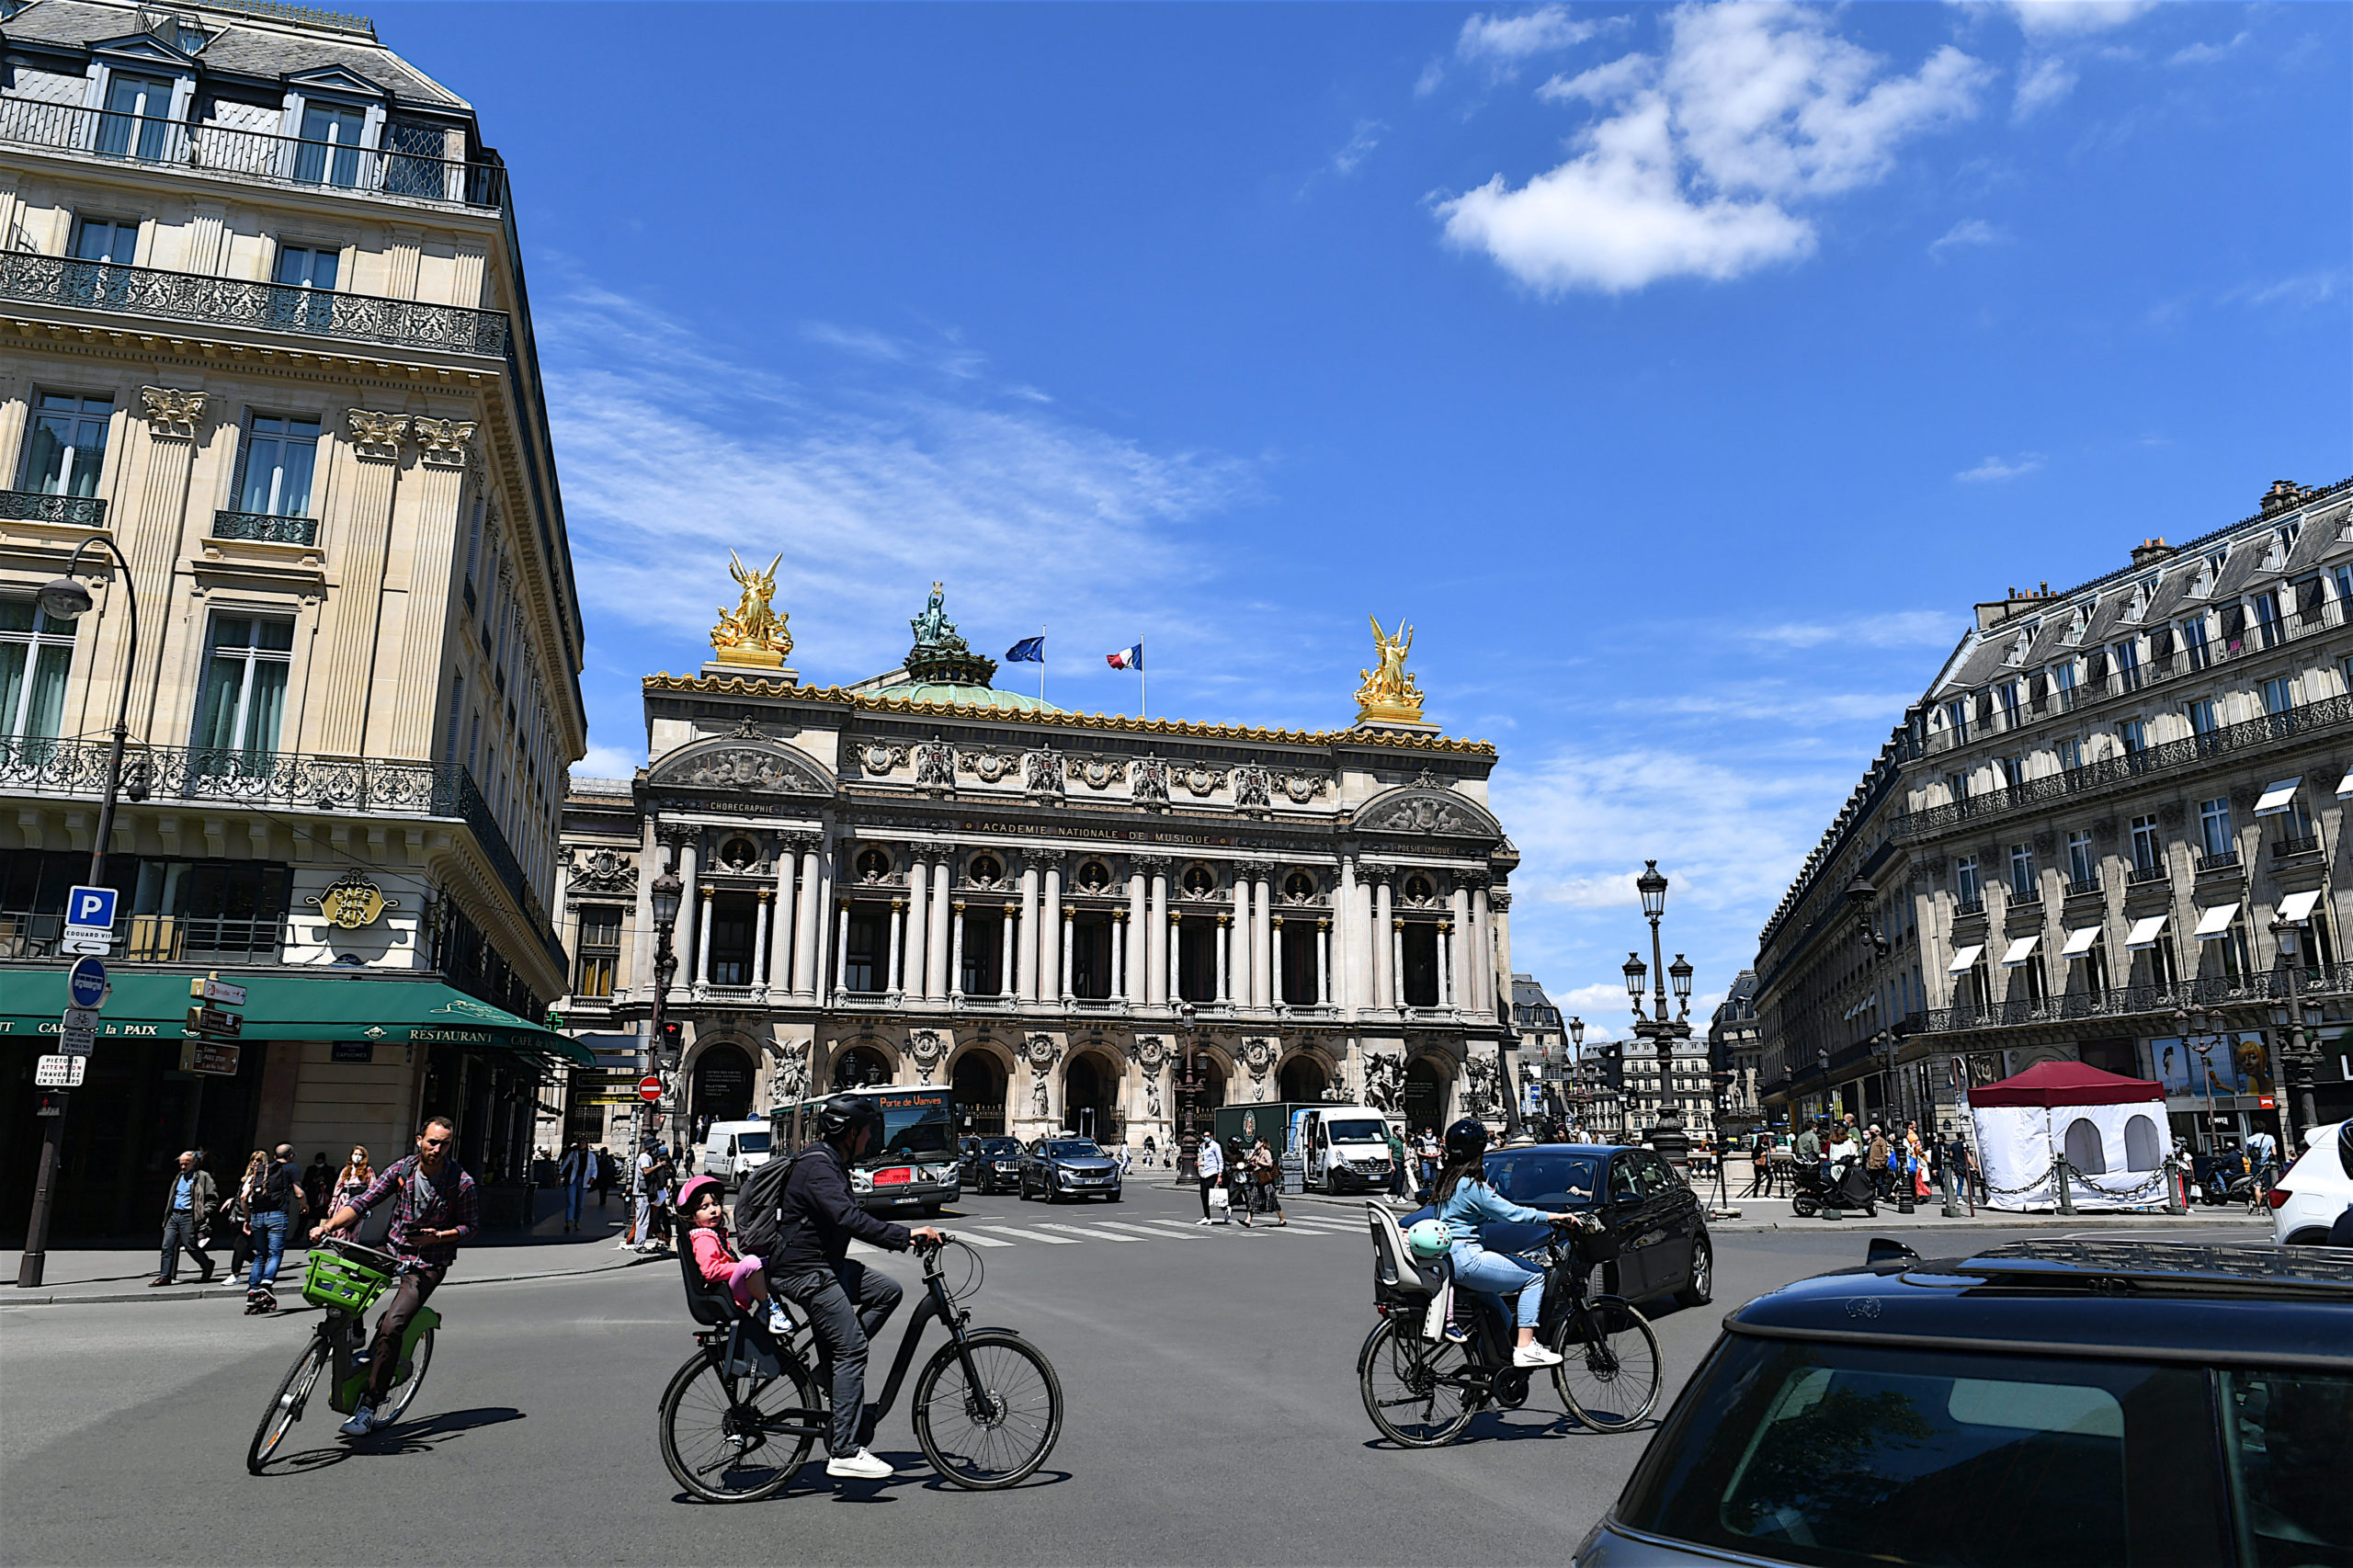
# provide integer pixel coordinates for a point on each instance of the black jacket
(821, 1216)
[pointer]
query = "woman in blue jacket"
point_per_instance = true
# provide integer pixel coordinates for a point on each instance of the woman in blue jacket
(1465, 1202)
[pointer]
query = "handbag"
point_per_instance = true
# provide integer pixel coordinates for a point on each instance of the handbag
(1217, 1198)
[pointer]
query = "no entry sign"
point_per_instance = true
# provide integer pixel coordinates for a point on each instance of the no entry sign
(649, 1089)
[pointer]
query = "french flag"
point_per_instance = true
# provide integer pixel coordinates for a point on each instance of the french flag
(1126, 658)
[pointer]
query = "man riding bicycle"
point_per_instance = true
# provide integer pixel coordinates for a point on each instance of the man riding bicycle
(434, 1213)
(845, 1302)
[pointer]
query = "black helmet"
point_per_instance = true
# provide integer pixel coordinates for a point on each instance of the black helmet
(838, 1116)
(1465, 1142)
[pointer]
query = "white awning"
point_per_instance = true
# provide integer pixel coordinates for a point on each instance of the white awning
(1965, 959)
(2345, 785)
(2021, 950)
(2213, 922)
(2297, 907)
(2079, 942)
(2276, 797)
(2144, 932)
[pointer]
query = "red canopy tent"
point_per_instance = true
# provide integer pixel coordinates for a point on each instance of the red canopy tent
(2050, 1084)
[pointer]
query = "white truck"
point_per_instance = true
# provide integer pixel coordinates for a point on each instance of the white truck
(1345, 1148)
(733, 1150)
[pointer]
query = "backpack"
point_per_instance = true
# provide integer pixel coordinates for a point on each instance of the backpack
(760, 1208)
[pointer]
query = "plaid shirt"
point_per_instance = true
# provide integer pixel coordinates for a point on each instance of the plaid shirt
(419, 1202)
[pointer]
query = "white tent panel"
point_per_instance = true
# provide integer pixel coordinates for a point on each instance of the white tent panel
(1965, 959)
(2144, 932)
(2016, 1145)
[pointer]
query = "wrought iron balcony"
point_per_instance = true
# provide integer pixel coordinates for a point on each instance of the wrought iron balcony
(32, 507)
(265, 527)
(417, 174)
(2227, 860)
(2289, 849)
(2139, 874)
(227, 303)
(2142, 1000)
(1969, 905)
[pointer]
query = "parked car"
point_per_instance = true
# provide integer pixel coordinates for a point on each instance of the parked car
(733, 1150)
(991, 1164)
(1058, 1167)
(1657, 1225)
(2317, 1190)
(2046, 1402)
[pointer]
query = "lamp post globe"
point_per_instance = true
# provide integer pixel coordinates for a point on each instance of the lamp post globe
(64, 598)
(1635, 971)
(1679, 972)
(666, 891)
(1652, 885)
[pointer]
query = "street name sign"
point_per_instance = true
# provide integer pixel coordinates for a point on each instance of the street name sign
(649, 1089)
(89, 917)
(202, 1056)
(86, 984)
(220, 990)
(212, 1020)
(60, 1071)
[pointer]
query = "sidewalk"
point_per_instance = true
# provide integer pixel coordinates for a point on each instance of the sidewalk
(119, 1273)
(1776, 1214)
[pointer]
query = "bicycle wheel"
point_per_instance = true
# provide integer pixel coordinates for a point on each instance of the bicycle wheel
(1608, 1374)
(996, 1431)
(420, 1356)
(286, 1406)
(1417, 1392)
(716, 1436)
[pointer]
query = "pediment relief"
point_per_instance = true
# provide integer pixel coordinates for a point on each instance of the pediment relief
(1420, 809)
(732, 762)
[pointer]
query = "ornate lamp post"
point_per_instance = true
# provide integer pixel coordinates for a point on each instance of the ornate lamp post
(1666, 1134)
(1188, 1087)
(664, 894)
(2198, 1022)
(2296, 1052)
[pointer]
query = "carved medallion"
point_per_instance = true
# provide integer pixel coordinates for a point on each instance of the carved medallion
(352, 901)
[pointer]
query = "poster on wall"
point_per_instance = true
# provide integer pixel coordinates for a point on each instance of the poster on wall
(2216, 1064)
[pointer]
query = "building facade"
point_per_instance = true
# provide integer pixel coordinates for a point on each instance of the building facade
(2109, 831)
(1735, 1051)
(1544, 1049)
(924, 879)
(266, 334)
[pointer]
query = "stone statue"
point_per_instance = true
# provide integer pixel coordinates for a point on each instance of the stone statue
(1384, 1081)
(1388, 692)
(752, 633)
(929, 626)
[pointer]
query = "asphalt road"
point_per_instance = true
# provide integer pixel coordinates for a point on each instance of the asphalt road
(1212, 1418)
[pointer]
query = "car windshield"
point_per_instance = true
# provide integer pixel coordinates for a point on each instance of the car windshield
(1074, 1149)
(1001, 1146)
(751, 1142)
(1371, 1130)
(1542, 1178)
(1839, 1454)
(920, 1129)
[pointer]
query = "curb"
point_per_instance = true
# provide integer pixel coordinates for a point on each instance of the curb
(225, 1292)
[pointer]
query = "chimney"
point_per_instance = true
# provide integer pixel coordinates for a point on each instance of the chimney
(2284, 493)
(2150, 550)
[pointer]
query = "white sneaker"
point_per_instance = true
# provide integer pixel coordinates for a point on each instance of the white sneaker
(860, 1466)
(1203, 1220)
(1534, 1355)
(779, 1323)
(362, 1422)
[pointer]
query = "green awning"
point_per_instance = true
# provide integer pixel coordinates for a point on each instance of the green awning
(143, 1005)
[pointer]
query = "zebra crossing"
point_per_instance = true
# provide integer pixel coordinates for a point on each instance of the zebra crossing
(981, 1232)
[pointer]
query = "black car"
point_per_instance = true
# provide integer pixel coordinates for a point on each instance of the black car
(2042, 1403)
(991, 1164)
(1657, 1226)
(1061, 1167)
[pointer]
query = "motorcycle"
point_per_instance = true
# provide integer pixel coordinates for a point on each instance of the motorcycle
(2221, 1181)
(1849, 1188)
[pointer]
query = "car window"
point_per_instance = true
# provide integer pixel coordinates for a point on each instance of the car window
(752, 1142)
(1544, 1180)
(1367, 1131)
(1074, 1149)
(2287, 1456)
(1658, 1177)
(1839, 1454)
(1623, 1187)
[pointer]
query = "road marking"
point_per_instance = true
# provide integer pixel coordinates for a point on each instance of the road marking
(979, 1241)
(1038, 1236)
(862, 1249)
(1186, 1235)
(1091, 1234)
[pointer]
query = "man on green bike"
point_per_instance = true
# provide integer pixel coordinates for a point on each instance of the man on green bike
(434, 1213)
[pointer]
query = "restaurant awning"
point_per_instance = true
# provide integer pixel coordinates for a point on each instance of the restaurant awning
(143, 1005)
(2021, 950)
(1965, 959)
(2144, 932)
(2297, 907)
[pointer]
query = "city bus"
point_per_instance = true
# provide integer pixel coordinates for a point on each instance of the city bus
(912, 1167)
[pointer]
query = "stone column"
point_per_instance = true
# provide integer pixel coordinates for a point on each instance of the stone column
(1499, 935)
(898, 935)
(807, 922)
(1154, 934)
(1324, 963)
(956, 955)
(1383, 943)
(1222, 942)
(1482, 953)
(1234, 945)
(702, 938)
(1052, 980)
(1004, 986)
(760, 941)
(151, 523)
(682, 939)
(1063, 948)
(1176, 956)
(1119, 954)
(841, 951)
(1132, 930)
(778, 952)
(1027, 946)
(1275, 995)
(918, 924)
(1350, 921)
(1262, 938)
(1455, 985)
(1445, 953)
(937, 978)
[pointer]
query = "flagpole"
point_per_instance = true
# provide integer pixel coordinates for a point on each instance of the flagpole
(1041, 662)
(1144, 685)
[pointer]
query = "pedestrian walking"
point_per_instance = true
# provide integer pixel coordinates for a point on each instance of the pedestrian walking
(185, 1204)
(1265, 1181)
(604, 1175)
(240, 1244)
(1150, 1152)
(270, 1209)
(1396, 1168)
(575, 1176)
(1210, 1163)
(1877, 1157)
(661, 1187)
(642, 1226)
(355, 1178)
(318, 1181)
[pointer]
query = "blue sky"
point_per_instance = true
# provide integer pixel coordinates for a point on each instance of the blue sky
(1683, 374)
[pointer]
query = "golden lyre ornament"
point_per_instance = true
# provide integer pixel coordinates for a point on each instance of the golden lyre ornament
(752, 633)
(1388, 692)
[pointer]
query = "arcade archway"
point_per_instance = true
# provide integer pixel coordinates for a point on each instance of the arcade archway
(860, 1067)
(720, 1087)
(978, 1081)
(1091, 1097)
(1304, 1077)
(1427, 1092)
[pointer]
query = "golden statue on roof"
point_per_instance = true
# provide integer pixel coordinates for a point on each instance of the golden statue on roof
(752, 633)
(1389, 695)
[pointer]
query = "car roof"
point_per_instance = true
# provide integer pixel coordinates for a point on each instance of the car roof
(2145, 1301)
(1556, 1149)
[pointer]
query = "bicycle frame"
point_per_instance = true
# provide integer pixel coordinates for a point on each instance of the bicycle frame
(1491, 1374)
(351, 1381)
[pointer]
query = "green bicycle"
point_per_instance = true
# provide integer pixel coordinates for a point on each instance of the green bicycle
(346, 1279)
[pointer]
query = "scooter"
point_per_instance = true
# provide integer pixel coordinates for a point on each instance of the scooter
(1850, 1188)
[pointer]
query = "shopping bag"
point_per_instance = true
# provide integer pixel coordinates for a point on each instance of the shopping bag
(1219, 1201)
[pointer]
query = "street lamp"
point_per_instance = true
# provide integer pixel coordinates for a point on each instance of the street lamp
(664, 895)
(65, 599)
(1666, 1134)
(2198, 1022)
(2295, 1054)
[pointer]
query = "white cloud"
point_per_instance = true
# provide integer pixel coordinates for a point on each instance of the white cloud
(1968, 231)
(608, 762)
(2302, 291)
(1698, 155)
(1994, 468)
(2074, 18)
(2042, 82)
(1510, 40)
(1359, 147)
(1899, 629)
(2208, 53)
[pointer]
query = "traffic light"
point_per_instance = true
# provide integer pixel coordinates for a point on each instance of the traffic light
(668, 1045)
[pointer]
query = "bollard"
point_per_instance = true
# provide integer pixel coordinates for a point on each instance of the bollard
(1944, 1182)
(2067, 1198)
(2176, 1194)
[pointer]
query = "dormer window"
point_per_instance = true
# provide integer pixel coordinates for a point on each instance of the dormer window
(329, 153)
(137, 120)
(2021, 645)
(2078, 621)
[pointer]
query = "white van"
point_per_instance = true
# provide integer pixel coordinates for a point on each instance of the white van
(733, 1150)
(1345, 1148)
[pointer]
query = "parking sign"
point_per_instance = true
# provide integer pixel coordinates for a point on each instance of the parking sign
(89, 919)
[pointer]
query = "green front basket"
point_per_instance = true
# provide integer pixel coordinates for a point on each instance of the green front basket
(332, 1280)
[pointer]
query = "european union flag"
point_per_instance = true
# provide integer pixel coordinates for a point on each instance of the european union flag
(1028, 651)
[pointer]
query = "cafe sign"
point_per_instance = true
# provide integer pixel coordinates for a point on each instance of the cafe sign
(352, 901)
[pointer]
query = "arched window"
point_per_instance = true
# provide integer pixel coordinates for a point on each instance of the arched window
(1299, 886)
(1093, 876)
(874, 865)
(2084, 1152)
(2141, 1150)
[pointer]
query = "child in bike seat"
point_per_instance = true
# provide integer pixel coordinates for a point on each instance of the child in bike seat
(702, 1201)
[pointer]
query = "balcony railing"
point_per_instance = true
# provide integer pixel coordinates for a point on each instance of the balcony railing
(2139, 874)
(2226, 861)
(1969, 905)
(230, 303)
(2077, 887)
(265, 527)
(32, 507)
(2289, 849)
(2130, 1000)
(2313, 718)
(253, 155)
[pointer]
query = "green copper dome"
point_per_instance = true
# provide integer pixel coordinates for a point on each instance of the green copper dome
(913, 690)
(942, 668)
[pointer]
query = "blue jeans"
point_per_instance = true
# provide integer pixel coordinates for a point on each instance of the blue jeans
(1499, 1273)
(270, 1248)
(573, 1197)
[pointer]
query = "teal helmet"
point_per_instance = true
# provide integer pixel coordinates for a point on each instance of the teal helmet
(1429, 1240)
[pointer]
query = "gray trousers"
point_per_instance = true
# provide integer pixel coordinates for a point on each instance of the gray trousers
(180, 1230)
(847, 1305)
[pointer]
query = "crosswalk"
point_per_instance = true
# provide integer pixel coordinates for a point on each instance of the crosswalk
(1147, 1229)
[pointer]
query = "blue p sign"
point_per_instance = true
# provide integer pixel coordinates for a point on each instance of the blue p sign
(90, 907)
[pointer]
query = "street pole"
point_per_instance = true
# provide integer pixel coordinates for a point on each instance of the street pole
(2295, 1070)
(66, 599)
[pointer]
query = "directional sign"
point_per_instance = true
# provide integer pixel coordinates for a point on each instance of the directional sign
(220, 990)
(649, 1089)
(89, 913)
(85, 983)
(60, 1071)
(96, 947)
(212, 1020)
(200, 1056)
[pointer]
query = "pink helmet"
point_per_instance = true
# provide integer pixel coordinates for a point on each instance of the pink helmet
(690, 1195)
